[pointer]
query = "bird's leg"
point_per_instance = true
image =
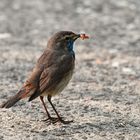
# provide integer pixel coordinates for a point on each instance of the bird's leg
(59, 119)
(52, 119)
(48, 114)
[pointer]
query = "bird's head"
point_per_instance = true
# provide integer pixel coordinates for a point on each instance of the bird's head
(64, 40)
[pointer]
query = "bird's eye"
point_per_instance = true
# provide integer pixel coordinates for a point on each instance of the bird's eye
(67, 38)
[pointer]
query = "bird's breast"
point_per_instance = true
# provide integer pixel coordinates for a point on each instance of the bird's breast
(62, 84)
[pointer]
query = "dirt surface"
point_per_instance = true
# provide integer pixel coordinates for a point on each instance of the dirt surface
(103, 98)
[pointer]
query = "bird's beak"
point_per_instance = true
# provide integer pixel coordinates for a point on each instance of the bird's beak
(76, 36)
(82, 36)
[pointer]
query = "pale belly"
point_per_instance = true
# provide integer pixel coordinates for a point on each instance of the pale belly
(59, 88)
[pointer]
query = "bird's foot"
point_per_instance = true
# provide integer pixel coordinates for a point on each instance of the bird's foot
(53, 120)
(64, 122)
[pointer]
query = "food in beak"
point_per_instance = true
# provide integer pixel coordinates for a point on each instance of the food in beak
(84, 36)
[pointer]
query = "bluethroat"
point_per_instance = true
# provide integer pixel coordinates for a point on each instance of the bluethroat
(51, 73)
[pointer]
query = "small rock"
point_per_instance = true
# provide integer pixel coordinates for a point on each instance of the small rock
(128, 71)
(115, 64)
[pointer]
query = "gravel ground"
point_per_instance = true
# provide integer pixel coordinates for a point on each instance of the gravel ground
(103, 98)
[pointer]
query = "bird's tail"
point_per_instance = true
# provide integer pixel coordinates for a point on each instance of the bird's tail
(12, 101)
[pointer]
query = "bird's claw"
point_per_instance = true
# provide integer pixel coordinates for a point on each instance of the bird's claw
(53, 120)
(65, 122)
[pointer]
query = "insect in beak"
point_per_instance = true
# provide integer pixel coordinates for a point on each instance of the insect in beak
(84, 36)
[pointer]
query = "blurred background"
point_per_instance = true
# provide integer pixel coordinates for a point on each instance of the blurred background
(110, 23)
(104, 94)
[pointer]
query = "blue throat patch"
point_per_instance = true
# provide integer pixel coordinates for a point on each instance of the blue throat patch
(70, 45)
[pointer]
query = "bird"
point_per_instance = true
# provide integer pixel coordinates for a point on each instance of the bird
(51, 73)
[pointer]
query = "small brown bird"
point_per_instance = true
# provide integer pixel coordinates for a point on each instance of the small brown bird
(51, 73)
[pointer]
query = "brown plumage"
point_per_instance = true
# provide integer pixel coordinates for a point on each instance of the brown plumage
(51, 73)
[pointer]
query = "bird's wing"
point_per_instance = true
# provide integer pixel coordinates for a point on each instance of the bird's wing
(32, 83)
(53, 73)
